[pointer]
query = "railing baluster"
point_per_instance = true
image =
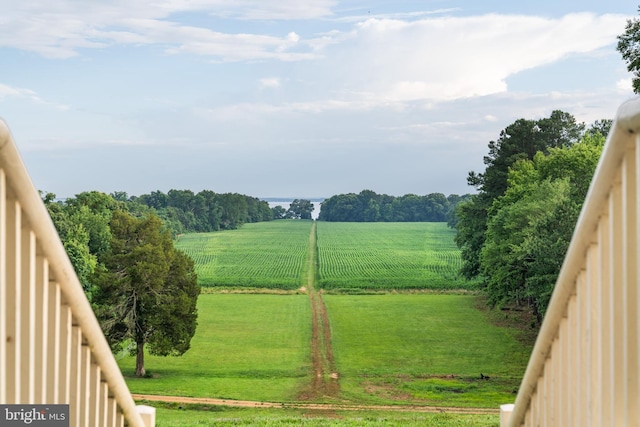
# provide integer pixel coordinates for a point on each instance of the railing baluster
(595, 321)
(630, 284)
(75, 386)
(3, 286)
(13, 301)
(66, 354)
(616, 304)
(41, 337)
(27, 312)
(582, 365)
(52, 350)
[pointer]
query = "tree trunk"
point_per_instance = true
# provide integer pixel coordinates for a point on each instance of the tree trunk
(140, 372)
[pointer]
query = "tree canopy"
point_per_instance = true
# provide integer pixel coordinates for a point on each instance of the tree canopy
(529, 227)
(185, 211)
(629, 48)
(300, 209)
(146, 290)
(141, 288)
(368, 206)
(519, 141)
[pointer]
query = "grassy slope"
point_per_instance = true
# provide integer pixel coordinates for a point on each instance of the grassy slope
(253, 347)
(403, 347)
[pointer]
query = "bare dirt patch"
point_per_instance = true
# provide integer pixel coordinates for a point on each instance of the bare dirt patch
(327, 409)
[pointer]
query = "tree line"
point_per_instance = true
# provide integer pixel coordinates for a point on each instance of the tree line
(185, 211)
(515, 231)
(368, 206)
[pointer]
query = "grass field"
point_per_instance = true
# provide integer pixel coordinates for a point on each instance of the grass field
(429, 349)
(253, 347)
(228, 417)
(418, 255)
(389, 349)
(399, 347)
(258, 255)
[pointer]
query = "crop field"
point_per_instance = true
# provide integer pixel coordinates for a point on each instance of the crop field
(259, 255)
(419, 255)
(352, 256)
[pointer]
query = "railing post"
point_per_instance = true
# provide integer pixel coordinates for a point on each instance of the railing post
(505, 414)
(148, 415)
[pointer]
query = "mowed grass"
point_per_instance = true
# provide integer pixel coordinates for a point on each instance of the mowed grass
(253, 347)
(380, 256)
(269, 254)
(427, 349)
(225, 416)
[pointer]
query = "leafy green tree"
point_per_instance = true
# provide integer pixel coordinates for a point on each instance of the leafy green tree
(629, 48)
(75, 239)
(530, 226)
(519, 141)
(146, 290)
(300, 209)
(278, 212)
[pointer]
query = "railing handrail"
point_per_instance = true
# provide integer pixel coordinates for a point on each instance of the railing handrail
(626, 126)
(64, 274)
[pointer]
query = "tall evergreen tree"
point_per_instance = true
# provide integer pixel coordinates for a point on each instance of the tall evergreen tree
(146, 290)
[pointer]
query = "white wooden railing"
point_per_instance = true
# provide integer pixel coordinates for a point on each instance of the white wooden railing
(52, 350)
(584, 366)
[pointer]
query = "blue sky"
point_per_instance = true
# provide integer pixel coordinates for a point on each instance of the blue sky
(293, 99)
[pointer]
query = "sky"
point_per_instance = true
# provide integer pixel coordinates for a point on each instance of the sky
(290, 98)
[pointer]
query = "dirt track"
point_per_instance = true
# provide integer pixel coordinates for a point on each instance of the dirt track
(325, 382)
(313, 406)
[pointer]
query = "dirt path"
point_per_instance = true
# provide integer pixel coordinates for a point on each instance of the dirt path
(312, 406)
(325, 377)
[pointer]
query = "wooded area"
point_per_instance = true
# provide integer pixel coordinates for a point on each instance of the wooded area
(367, 206)
(515, 231)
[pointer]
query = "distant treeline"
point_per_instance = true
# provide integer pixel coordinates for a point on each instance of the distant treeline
(368, 206)
(184, 211)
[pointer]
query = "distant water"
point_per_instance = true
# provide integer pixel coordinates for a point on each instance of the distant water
(285, 203)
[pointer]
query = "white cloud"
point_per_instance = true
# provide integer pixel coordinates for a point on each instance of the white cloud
(624, 85)
(270, 82)
(62, 28)
(457, 57)
(17, 92)
(395, 15)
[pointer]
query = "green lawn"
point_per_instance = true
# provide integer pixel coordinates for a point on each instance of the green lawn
(394, 348)
(270, 254)
(224, 416)
(380, 255)
(424, 348)
(253, 347)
